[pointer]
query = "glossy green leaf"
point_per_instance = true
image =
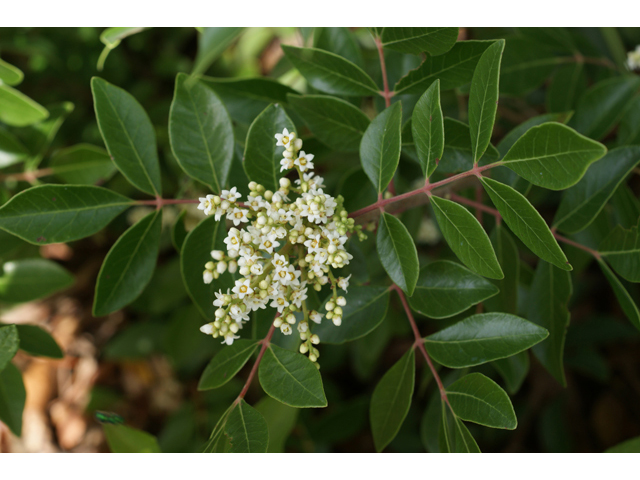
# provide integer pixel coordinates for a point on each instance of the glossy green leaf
(525, 221)
(10, 74)
(602, 106)
(212, 41)
(39, 136)
(381, 145)
(557, 38)
(483, 98)
(196, 251)
(57, 213)
(627, 303)
(201, 133)
(247, 430)
(454, 436)
(336, 123)
(626, 207)
(507, 254)
(82, 164)
(12, 398)
(526, 64)
(9, 342)
(261, 155)
(454, 68)
(548, 307)
(12, 151)
(129, 266)
(123, 439)
(629, 129)
(513, 370)
(568, 84)
(128, 135)
(427, 126)
(226, 364)
(365, 310)
(291, 378)
(391, 400)
(18, 110)
(398, 253)
(514, 135)
(446, 288)
(37, 341)
(458, 154)
(338, 40)
(29, 279)
(466, 237)
(179, 231)
(621, 248)
(582, 203)
(330, 73)
(281, 419)
(483, 338)
(432, 40)
(478, 399)
(629, 446)
(111, 37)
(553, 156)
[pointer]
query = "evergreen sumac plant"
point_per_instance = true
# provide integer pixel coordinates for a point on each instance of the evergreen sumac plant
(469, 184)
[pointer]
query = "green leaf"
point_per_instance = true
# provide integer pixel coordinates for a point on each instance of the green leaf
(9, 341)
(525, 65)
(380, 147)
(111, 37)
(29, 279)
(261, 155)
(512, 137)
(427, 126)
(398, 253)
(212, 41)
(281, 419)
(336, 123)
(60, 213)
(483, 338)
(466, 237)
(291, 378)
(201, 133)
(454, 69)
(9, 74)
(433, 40)
(627, 303)
(626, 207)
(629, 446)
(196, 251)
(548, 307)
(179, 231)
(330, 73)
(12, 398)
(582, 203)
(553, 156)
(38, 137)
(483, 98)
(513, 370)
(226, 364)
(525, 222)
(123, 439)
(38, 342)
(128, 135)
(11, 150)
(338, 40)
(446, 288)
(629, 129)
(476, 398)
(82, 164)
(621, 248)
(18, 110)
(603, 105)
(247, 430)
(391, 400)
(507, 255)
(365, 310)
(454, 436)
(557, 38)
(129, 266)
(458, 154)
(568, 84)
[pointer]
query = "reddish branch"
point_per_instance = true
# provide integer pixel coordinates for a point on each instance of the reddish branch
(386, 94)
(265, 343)
(27, 176)
(419, 343)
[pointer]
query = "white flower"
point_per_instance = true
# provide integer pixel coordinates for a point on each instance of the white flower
(207, 329)
(217, 254)
(256, 268)
(286, 329)
(285, 139)
(315, 316)
(229, 338)
(238, 216)
(280, 262)
(206, 204)
(207, 276)
(280, 303)
(230, 195)
(242, 288)
(633, 59)
(343, 283)
(304, 161)
(268, 243)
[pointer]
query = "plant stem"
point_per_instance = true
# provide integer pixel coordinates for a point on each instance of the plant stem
(265, 343)
(27, 176)
(165, 201)
(383, 67)
(419, 343)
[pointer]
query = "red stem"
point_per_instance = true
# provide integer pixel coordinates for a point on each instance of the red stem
(265, 343)
(165, 201)
(419, 343)
(383, 67)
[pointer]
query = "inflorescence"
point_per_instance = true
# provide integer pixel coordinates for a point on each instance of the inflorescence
(281, 249)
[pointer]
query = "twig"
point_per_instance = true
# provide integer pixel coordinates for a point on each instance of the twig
(265, 343)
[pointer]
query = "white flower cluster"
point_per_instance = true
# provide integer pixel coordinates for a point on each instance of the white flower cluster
(633, 59)
(282, 249)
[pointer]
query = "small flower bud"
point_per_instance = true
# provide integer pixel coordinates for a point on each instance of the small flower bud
(341, 301)
(217, 254)
(313, 358)
(330, 306)
(291, 318)
(303, 348)
(277, 322)
(285, 182)
(220, 313)
(315, 339)
(221, 267)
(337, 311)
(233, 266)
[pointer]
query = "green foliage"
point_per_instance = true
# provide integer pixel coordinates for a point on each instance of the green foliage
(247, 430)
(621, 248)
(224, 366)
(82, 164)
(433, 40)
(31, 279)
(427, 126)
(398, 253)
(18, 110)
(123, 439)
(9, 341)
(36, 341)
(12, 398)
